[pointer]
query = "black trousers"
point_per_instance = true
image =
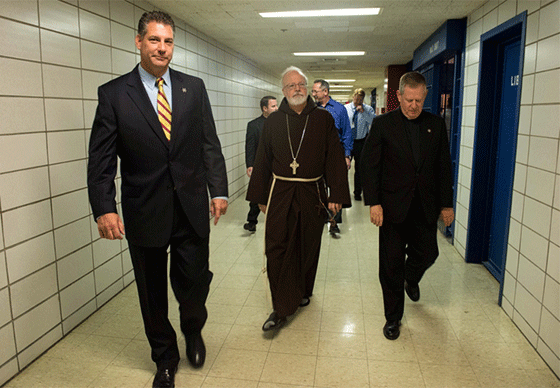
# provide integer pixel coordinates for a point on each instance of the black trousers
(357, 153)
(406, 251)
(253, 214)
(190, 280)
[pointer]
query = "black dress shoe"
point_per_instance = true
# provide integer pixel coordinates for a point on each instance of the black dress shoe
(413, 291)
(196, 351)
(358, 197)
(251, 227)
(392, 330)
(165, 378)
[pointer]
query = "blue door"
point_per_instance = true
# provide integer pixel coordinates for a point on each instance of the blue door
(505, 140)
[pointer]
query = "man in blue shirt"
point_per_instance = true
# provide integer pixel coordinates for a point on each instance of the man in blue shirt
(320, 93)
(361, 116)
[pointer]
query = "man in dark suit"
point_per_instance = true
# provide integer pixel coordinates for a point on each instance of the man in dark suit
(254, 130)
(407, 182)
(159, 123)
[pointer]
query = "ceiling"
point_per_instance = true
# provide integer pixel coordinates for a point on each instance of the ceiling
(388, 38)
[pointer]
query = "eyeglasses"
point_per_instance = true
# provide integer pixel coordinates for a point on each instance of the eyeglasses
(293, 86)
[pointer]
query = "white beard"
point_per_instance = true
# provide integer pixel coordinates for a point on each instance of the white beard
(297, 100)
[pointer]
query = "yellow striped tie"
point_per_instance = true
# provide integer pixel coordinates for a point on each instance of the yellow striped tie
(164, 110)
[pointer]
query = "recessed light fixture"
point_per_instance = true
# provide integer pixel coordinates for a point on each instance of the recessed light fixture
(341, 86)
(329, 54)
(323, 12)
(340, 80)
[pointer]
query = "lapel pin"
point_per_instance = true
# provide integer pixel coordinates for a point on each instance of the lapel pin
(429, 131)
(184, 90)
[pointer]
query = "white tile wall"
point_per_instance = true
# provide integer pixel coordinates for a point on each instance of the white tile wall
(74, 266)
(100, 7)
(62, 82)
(32, 290)
(5, 308)
(60, 49)
(63, 114)
(69, 176)
(30, 85)
(531, 286)
(59, 16)
(26, 222)
(96, 56)
(94, 27)
(24, 41)
(81, 236)
(66, 146)
(30, 256)
(22, 187)
(77, 295)
(8, 348)
(70, 207)
(19, 115)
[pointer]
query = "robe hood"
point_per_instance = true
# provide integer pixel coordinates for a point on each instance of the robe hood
(285, 107)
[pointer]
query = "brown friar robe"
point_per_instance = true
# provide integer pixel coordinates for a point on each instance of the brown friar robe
(296, 213)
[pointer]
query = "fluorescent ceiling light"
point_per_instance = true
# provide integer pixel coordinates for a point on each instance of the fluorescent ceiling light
(330, 54)
(340, 80)
(341, 86)
(324, 12)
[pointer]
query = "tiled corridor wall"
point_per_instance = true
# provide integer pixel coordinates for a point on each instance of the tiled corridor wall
(532, 279)
(54, 270)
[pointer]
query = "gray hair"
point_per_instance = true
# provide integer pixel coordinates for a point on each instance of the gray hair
(324, 84)
(289, 70)
(412, 79)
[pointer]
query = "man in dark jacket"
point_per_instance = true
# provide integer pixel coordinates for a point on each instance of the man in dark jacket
(407, 183)
(254, 130)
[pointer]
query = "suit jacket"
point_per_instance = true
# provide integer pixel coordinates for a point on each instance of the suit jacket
(254, 130)
(390, 176)
(152, 168)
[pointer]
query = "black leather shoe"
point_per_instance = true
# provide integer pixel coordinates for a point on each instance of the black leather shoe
(250, 227)
(392, 330)
(165, 378)
(273, 322)
(413, 291)
(196, 351)
(358, 197)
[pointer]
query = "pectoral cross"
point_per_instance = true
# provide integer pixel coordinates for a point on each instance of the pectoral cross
(294, 165)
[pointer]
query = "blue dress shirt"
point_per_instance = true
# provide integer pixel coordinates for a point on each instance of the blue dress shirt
(149, 82)
(364, 120)
(342, 123)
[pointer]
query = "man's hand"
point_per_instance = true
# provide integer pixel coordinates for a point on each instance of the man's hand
(110, 226)
(360, 108)
(447, 215)
(262, 208)
(218, 207)
(249, 171)
(348, 162)
(335, 208)
(376, 215)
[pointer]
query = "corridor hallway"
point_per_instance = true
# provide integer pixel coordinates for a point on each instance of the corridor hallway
(455, 336)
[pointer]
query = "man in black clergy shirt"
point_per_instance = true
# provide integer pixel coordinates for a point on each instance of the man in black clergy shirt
(407, 182)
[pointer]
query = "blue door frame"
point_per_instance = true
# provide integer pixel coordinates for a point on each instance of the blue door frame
(484, 238)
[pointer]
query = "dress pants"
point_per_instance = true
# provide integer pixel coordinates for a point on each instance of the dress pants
(190, 280)
(357, 153)
(252, 216)
(406, 251)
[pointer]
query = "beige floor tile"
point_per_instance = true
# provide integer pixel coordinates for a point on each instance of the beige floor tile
(342, 303)
(342, 345)
(278, 385)
(121, 326)
(222, 313)
(400, 350)
(229, 296)
(450, 376)
(247, 338)
(137, 354)
(441, 353)
(122, 377)
(395, 374)
(238, 364)
(343, 322)
(185, 379)
(216, 382)
(341, 372)
(490, 355)
(252, 316)
(239, 281)
(289, 369)
(293, 341)
(476, 330)
(503, 378)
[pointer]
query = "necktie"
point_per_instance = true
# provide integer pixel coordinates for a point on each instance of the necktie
(355, 122)
(164, 110)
